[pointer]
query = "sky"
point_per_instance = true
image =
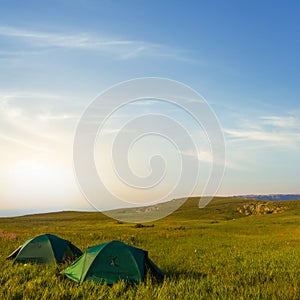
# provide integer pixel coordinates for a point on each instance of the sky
(242, 57)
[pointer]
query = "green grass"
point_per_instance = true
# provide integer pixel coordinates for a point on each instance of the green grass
(210, 253)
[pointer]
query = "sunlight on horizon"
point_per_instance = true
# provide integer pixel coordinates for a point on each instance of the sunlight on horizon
(36, 183)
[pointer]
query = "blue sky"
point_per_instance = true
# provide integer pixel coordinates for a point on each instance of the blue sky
(56, 56)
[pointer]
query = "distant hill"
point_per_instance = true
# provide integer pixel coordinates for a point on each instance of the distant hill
(220, 208)
(272, 197)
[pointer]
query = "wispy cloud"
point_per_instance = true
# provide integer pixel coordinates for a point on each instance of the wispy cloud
(279, 121)
(123, 48)
(36, 120)
(37, 106)
(268, 130)
(11, 95)
(203, 156)
(260, 135)
(61, 40)
(20, 142)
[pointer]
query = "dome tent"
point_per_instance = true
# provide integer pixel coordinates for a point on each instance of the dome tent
(45, 249)
(111, 262)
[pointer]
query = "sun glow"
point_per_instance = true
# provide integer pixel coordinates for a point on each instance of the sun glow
(37, 183)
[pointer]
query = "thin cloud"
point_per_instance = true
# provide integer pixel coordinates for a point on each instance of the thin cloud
(27, 119)
(279, 121)
(255, 135)
(277, 130)
(36, 105)
(124, 49)
(60, 40)
(21, 142)
(204, 156)
(12, 95)
(49, 117)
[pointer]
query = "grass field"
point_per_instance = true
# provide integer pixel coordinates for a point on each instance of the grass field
(228, 250)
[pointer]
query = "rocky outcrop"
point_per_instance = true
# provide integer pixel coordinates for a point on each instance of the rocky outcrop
(260, 208)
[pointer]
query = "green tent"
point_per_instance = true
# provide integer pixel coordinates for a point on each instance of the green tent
(45, 249)
(111, 262)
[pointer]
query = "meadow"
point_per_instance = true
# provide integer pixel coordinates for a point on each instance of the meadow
(231, 249)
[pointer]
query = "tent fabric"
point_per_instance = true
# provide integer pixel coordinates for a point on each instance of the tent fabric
(45, 249)
(14, 254)
(111, 262)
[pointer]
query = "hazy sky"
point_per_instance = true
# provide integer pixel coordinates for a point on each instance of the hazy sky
(56, 56)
